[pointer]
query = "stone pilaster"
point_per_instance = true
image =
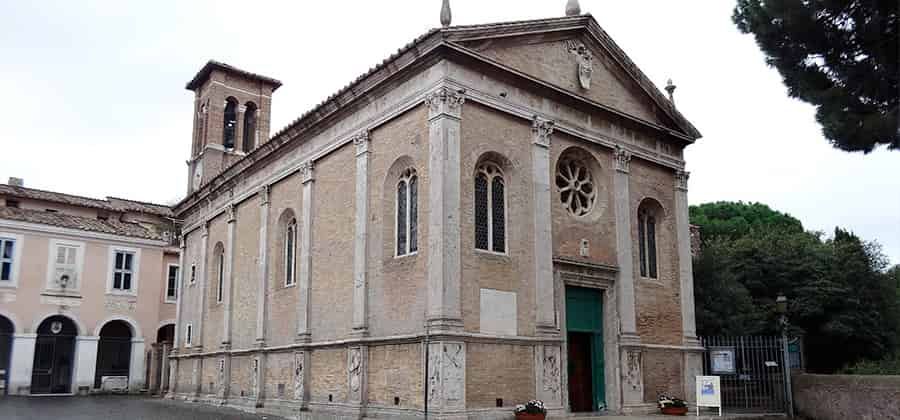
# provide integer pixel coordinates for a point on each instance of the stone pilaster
(229, 274)
(197, 334)
(258, 378)
(262, 266)
(196, 378)
(632, 376)
(182, 247)
(543, 238)
(305, 266)
(360, 283)
(693, 354)
(446, 379)
(444, 114)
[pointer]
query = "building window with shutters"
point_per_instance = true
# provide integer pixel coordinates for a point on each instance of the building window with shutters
(65, 266)
(123, 271)
(490, 209)
(407, 213)
(172, 283)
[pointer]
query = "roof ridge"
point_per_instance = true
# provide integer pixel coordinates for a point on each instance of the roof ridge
(83, 197)
(149, 203)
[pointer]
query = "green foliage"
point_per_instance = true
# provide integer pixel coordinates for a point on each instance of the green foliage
(887, 366)
(732, 220)
(840, 56)
(841, 298)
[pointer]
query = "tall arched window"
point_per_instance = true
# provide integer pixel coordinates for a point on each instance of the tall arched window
(648, 217)
(407, 213)
(249, 141)
(290, 253)
(490, 209)
(220, 273)
(230, 123)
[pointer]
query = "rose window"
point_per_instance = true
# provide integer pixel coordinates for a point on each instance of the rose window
(576, 187)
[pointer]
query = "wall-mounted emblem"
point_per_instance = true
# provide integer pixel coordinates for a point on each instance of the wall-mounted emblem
(585, 62)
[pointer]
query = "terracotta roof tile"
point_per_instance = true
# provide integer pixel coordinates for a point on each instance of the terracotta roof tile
(110, 204)
(63, 220)
(211, 65)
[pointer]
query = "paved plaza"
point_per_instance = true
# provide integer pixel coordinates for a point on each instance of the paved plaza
(114, 408)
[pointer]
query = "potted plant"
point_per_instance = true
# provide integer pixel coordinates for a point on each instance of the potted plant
(672, 406)
(532, 410)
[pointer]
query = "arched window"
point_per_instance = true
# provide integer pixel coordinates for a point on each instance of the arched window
(230, 123)
(290, 253)
(220, 273)
(407, 213)
(648, 217)
(490, 209)
(249, 127)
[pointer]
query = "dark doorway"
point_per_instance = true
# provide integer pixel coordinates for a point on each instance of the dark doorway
(584, 326)
(6, 337)
(113, 352)
(54, 356)
(166, 334)
(581, 394)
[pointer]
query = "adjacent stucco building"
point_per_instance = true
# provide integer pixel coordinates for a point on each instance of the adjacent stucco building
(87, 292)
(493, 214)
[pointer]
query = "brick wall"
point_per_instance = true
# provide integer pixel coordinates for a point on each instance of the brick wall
(395, 371)
(328, 375)
(662, 373)
(499, 371)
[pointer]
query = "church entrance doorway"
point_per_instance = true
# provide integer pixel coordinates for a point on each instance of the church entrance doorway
(54, 356)
(584, 325)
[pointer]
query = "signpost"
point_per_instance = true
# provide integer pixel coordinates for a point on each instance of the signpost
(722, 360)
(709, 393)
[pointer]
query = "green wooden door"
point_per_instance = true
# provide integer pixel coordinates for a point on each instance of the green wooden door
(584, 314)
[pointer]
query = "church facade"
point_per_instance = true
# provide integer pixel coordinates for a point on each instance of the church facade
(495, 213)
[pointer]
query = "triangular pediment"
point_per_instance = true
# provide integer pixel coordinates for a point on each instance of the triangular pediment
(577, 56)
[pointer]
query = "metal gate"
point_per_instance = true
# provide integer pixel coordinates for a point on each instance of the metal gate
(752, 373)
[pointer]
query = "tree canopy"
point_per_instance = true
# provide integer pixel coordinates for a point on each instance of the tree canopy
(842, 298)
(840, 56)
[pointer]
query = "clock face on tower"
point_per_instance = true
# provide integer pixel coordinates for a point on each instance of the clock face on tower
(198, 177)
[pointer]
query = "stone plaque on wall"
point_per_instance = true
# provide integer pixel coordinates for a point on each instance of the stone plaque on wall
(498, 312)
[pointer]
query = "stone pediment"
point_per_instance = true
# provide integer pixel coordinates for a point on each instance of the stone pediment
(574, 54)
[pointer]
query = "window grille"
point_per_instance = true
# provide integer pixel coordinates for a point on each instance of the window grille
(407, 213)
(290, 253)
(576, 186)
(490, 209)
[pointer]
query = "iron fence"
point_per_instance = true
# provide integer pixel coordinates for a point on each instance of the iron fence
(751, 370)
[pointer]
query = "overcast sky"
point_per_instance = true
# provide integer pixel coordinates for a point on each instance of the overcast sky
(94, 100)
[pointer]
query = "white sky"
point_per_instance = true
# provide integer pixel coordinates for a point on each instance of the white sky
(94, 101)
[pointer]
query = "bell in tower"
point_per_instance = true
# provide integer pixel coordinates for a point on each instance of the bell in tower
(232, 108)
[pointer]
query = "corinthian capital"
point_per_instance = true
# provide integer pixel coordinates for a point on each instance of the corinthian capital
(361, 141)
(681, 180)
(445, 101)
(542, 129)
(306, 171)
(622, 158)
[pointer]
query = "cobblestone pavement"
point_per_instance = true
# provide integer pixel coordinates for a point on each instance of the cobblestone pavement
(114, 408)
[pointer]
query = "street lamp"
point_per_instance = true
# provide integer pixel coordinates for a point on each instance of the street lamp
(781, 306)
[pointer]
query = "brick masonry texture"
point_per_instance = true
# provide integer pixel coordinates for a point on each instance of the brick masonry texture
(396, 371)
(245, 274)
(662, 373)
(285, 204)
(499, 371)
(279, 371)
(331, 303)
(488, 136)
(396, 293)
(328, 375)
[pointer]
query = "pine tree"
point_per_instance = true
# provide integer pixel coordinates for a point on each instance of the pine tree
(840, 56)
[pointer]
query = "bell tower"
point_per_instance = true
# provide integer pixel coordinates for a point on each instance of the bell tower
(232, 108)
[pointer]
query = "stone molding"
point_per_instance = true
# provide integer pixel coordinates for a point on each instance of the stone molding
(264, 192)
(306, 171)
(229, 213)
(446, 376)
(361, 141)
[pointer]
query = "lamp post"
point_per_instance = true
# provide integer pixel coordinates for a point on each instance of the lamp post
(781, 304)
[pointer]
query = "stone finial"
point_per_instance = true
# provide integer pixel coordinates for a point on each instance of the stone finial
(670, 87)
(445, 13)
(572, 8)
